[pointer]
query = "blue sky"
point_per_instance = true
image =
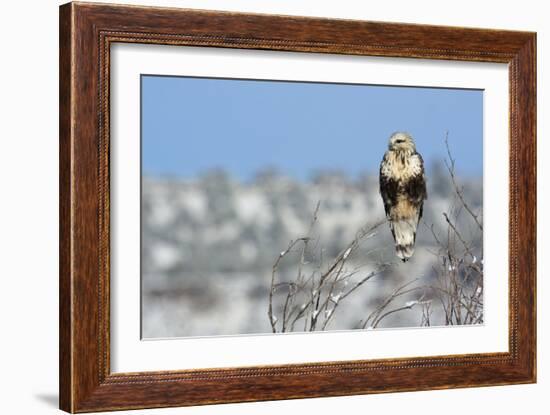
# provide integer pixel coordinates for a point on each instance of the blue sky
(191, 125)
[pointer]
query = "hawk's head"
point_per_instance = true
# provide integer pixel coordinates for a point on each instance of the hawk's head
(401, 141)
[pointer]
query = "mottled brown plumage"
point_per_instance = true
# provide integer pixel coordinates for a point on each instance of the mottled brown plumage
(403, 190)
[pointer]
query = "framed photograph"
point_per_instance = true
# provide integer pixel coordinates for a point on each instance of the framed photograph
(259, 207)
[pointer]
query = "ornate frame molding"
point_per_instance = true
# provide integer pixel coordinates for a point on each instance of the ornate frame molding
(86, 33)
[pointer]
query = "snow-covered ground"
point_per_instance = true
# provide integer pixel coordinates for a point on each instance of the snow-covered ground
(208, 246)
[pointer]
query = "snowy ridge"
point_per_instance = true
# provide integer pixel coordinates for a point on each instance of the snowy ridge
(208, 245)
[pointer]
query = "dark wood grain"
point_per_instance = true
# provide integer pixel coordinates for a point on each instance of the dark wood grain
(65, 247)
(86, 33)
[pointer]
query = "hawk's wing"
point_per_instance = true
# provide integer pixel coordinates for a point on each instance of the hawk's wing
(415, 188)
(388, 186)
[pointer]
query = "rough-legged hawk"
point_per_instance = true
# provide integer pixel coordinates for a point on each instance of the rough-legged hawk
(403, 190)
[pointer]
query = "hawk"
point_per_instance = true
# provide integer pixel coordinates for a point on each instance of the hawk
(403, 190)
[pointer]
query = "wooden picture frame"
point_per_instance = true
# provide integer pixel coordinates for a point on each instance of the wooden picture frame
(86, 33)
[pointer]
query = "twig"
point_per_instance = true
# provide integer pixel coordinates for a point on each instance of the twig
(316, 299)
(458, 191)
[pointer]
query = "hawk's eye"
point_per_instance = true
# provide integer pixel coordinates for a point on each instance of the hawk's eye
(399, 141)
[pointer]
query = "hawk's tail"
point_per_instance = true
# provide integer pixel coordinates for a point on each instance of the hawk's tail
(404, 233)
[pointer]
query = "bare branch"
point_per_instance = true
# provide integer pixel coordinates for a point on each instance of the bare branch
(458, 190)
(316, 298)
